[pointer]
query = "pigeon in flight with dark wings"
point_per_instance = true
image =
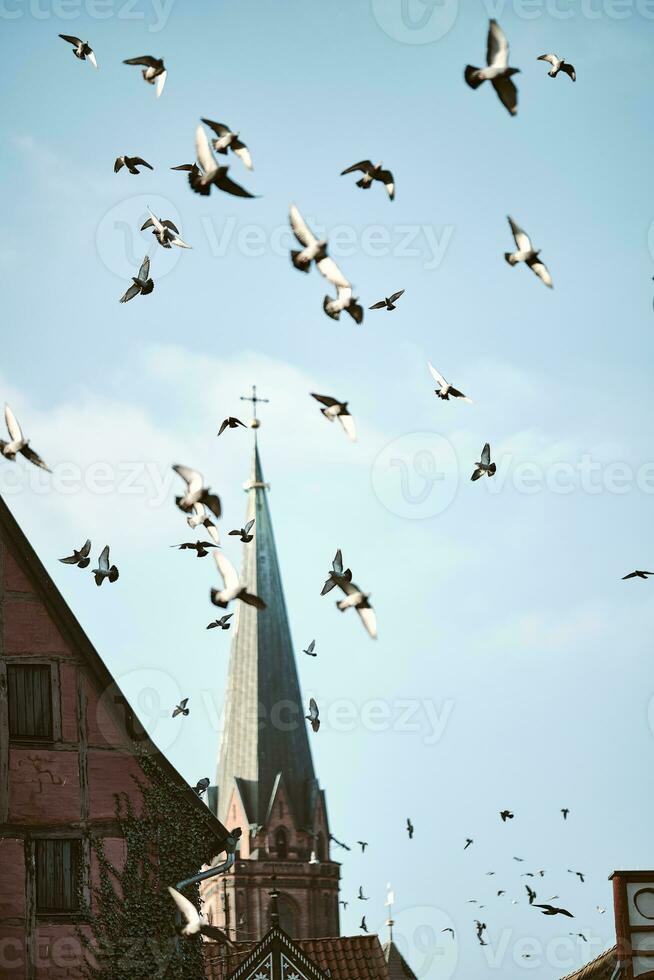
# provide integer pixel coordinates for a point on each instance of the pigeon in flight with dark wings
(314, 715)
(558, 64)
(639, 573)
(199, 547)
(346, 302)
(222, 623)
(18, 443)
(140, 284)
(105, 570)
(154, 71)
(131, 163)
(165, 231)
(244, 532)
(531, 894)
(388, 303)
(445, 390)
(363, 925)
(410, 829)
(371, 172)
(230, 423)
(506, 815)
(361, 896)
(336, 573)
(232, 588)
(196, 492)
(468, 842)
(79, 558)
(362, 844)
(497, 72)
(228, 140)
(181, 709)
(553, 910)
(81, 49)
(334, 409)
(527, 254)
(484, 465)
(208, 173)
(565, 811)
(313, 250)
(311, 649)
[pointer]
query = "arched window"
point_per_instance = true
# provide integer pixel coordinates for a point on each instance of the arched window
(281, 843)
(287, 915)
(320, 846)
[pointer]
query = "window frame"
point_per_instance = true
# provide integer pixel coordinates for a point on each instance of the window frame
(55, 701)
(79, 890)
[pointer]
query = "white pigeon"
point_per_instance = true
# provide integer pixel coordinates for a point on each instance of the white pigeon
(196, 492)
(164, 231)
(81, 49)
(228, 140)
(196, 922)
(527, 254)
(104, 569)
(337, 410)
(208, 172)
(355, 598)
(200, 518)
(314, 250)
(232, 588)
(558, 64)
(344, 301)
(18, 443)
(445, 389)
(154, 71)
(497, 72)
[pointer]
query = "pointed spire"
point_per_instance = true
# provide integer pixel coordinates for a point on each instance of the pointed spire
(264, 737)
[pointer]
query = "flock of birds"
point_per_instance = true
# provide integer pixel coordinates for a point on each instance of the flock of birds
(202, 507)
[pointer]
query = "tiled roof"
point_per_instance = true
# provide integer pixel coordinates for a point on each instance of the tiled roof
(346, 958)
(601, 968)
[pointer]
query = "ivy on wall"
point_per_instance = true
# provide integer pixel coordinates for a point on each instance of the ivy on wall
(132, 916)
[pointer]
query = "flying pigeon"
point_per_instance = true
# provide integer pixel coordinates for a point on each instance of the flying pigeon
(200, 547)
(196, 492)
(598, 908)
(497, 72)
(164, 231)
(181, 709)
(230, 423)
(344, 904)
(469, 841)
(202, 785)
(481, 928)
(81, 49)
(361, 896)
(502, 891)
(227, 140)
(222, 623)
(527, 254)
(518, 859)
(209, 173)
(310, 650)
(244, 532)
(314, 250)
(104, 569)
(553, 910)
(578, 874)
(232, 588)
(140, 284)
(195, 922)
(362, 844)
(531, 894)
(154, 71)
(339, 843)
(558, 64)
(337, 410)
(484, 465)
(336, 573)
(314, 715)
(409, 828)
(363, 925)
(565, 811)
(578, 935)
(18, 443)
(79, 558)
(345, 301)
(445, 390)
(132, 164)
(388, 303)
(450, 930)
(506, 815)
(637, 574)
(356, 599)
(371, 172)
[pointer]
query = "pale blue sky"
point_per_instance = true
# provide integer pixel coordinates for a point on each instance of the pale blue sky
(503, 615)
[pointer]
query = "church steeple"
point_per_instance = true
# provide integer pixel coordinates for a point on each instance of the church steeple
(266, 783)
(264, 733)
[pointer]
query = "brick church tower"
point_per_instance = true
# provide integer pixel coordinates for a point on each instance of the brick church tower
(266, 782)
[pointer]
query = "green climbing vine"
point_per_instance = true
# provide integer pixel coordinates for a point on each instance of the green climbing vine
(131, 919)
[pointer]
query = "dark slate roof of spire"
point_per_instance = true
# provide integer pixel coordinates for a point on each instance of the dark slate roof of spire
(398, 968)
(263, 686)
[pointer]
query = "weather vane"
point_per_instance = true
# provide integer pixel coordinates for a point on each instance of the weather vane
(254, 398)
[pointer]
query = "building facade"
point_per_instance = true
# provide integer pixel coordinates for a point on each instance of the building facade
(266, 782)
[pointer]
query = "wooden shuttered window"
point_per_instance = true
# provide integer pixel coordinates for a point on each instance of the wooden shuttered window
(58, 865)
(30, 700)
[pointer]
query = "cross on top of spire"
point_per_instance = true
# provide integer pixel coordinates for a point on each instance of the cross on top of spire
(254, 398)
